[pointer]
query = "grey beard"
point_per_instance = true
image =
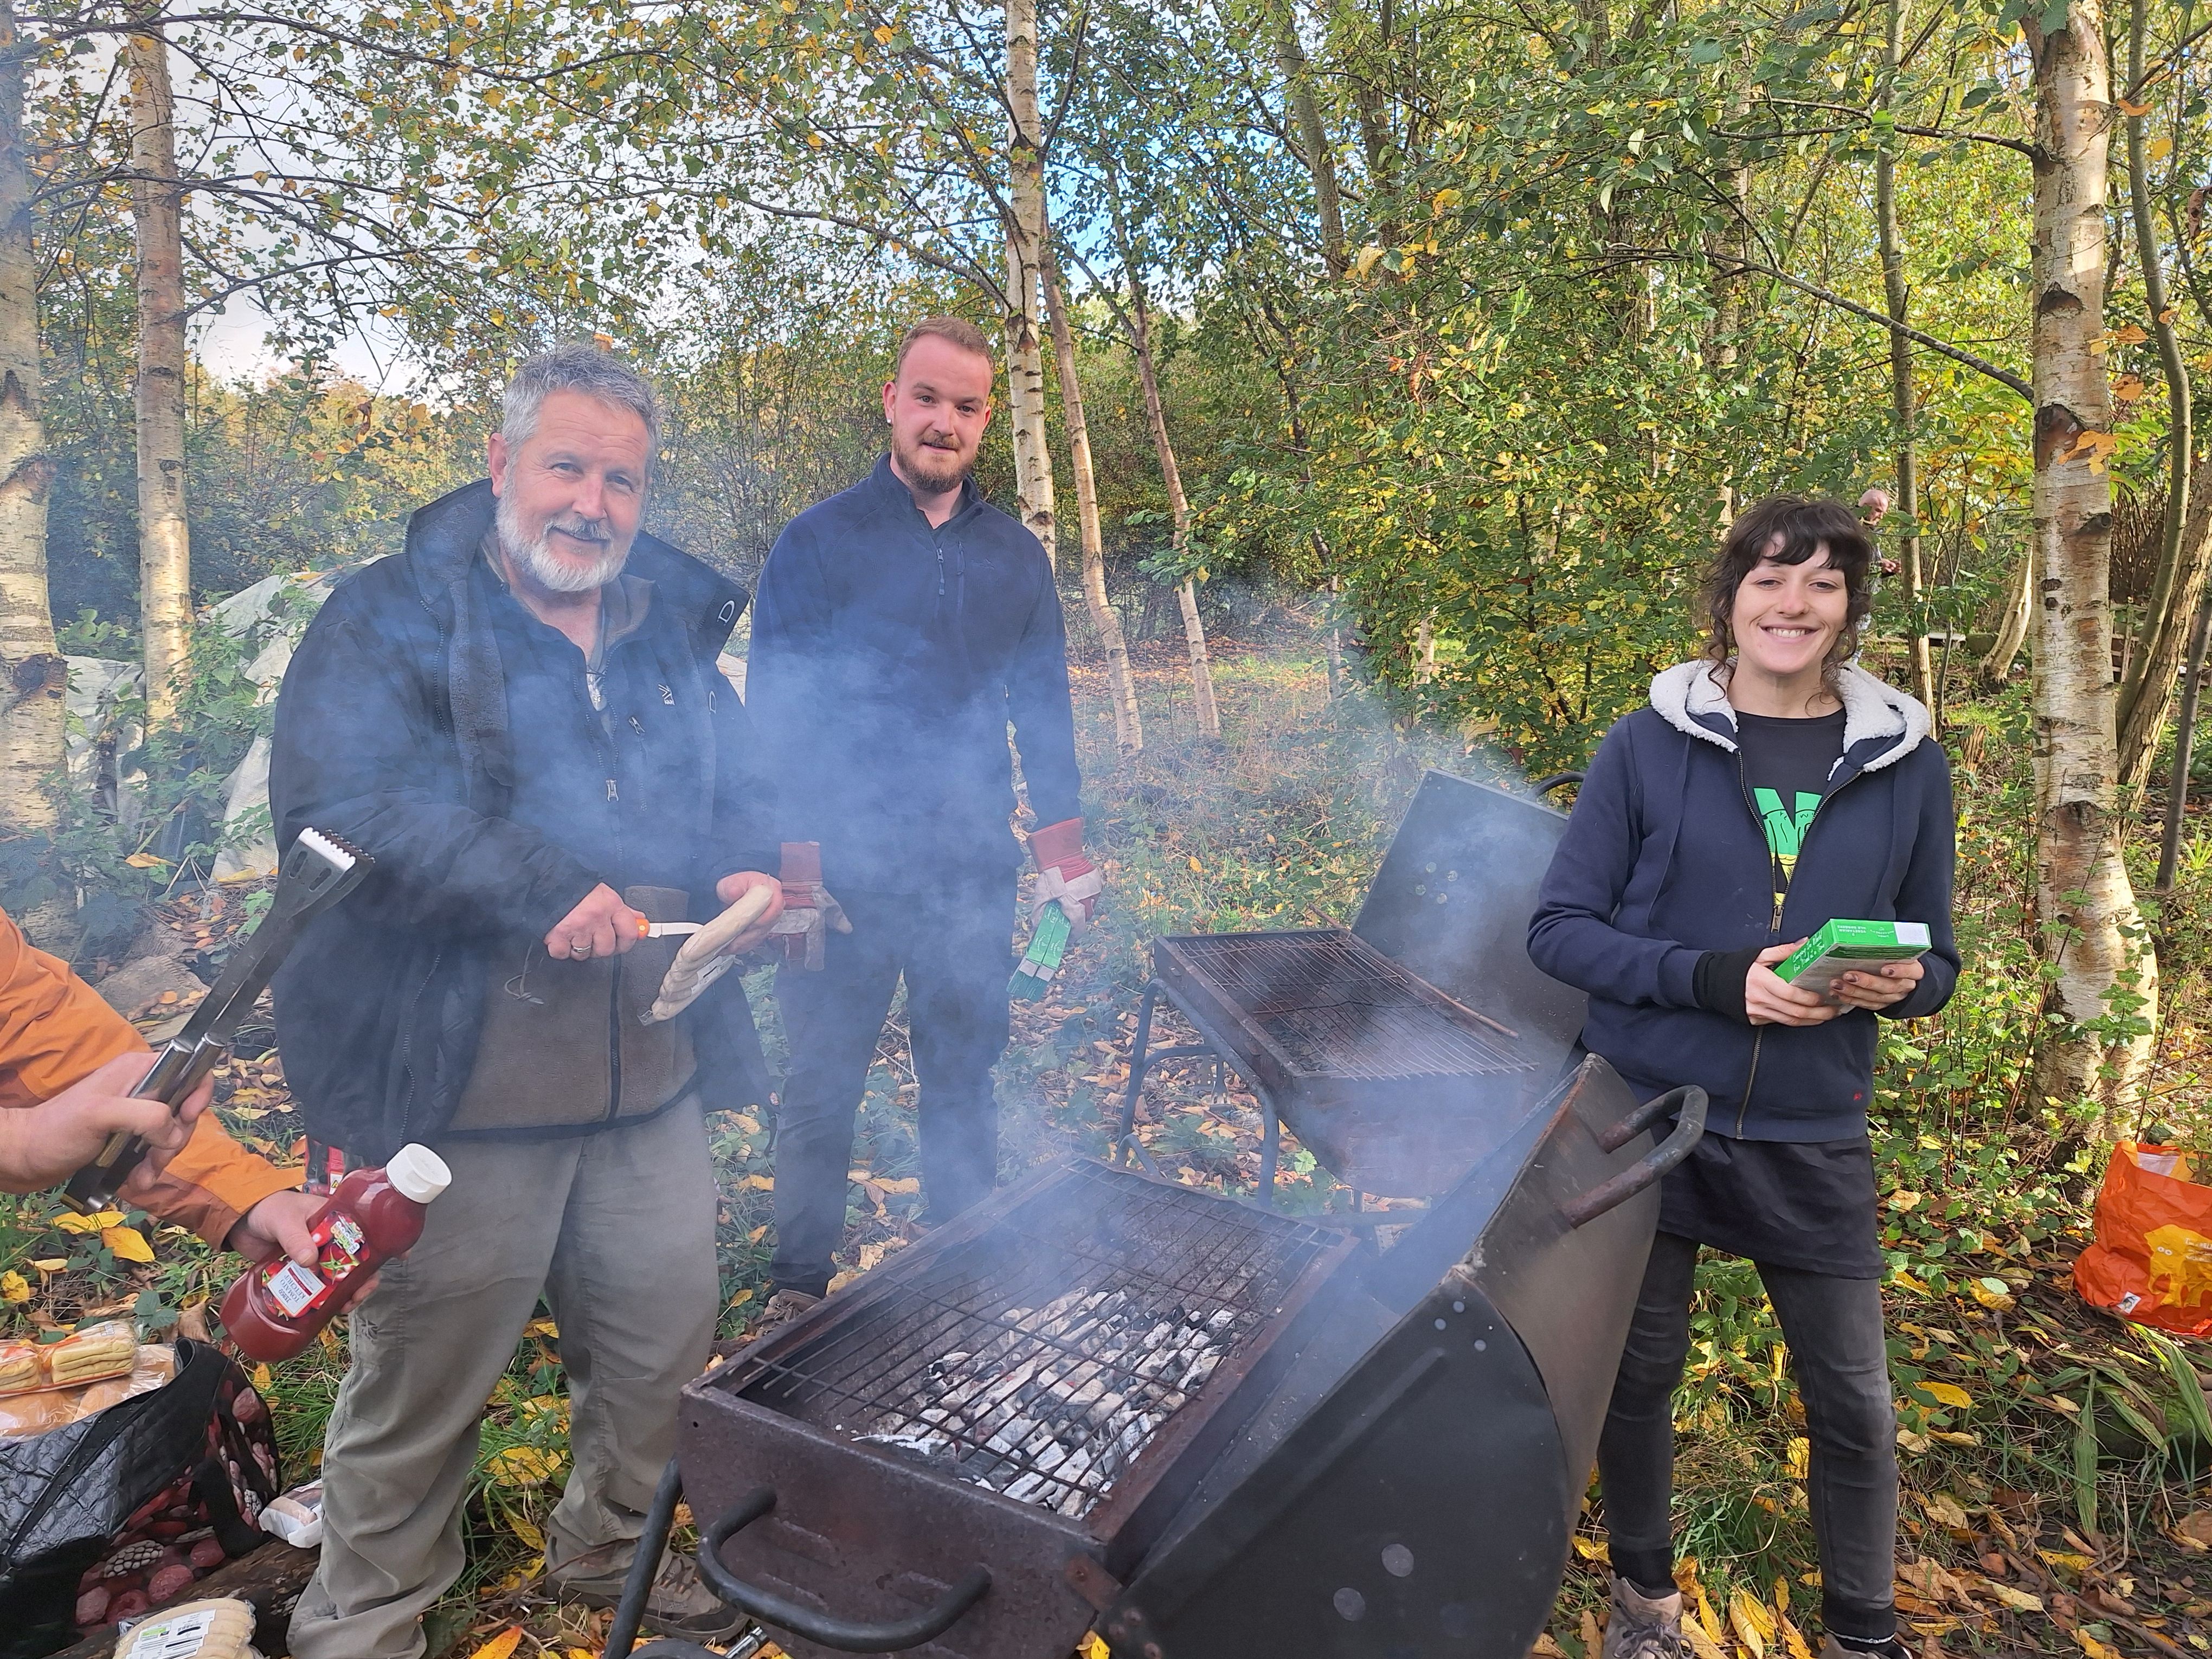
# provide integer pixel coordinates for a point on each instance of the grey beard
(537, 559)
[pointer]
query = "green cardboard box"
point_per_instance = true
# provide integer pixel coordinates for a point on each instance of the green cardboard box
(1841, 945)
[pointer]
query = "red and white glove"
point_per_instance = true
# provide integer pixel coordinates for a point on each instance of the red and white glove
(1065, 875)
(809, 912)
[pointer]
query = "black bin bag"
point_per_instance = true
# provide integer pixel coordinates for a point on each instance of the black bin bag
(104, 1517)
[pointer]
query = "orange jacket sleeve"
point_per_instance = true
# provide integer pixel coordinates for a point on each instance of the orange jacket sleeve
(55, 1030)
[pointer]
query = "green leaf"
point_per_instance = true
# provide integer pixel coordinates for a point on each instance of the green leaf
(2085, 1460)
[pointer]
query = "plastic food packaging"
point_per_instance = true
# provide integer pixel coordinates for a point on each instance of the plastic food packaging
(297, 1517)
(273, 1310)
(220, 1628)
(2150, 1255)
(41, 1410)
(107, 1349)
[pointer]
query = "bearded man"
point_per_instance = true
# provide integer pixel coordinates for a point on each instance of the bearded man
(899, 629)
(520, 718)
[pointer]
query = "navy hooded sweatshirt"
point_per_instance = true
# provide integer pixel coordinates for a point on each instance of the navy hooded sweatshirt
(1664, 860)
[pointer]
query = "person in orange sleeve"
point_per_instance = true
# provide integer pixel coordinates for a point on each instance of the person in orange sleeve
(68, 1063)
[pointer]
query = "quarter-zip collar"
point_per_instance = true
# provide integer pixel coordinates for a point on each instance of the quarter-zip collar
(1881, 724)
(895, 496)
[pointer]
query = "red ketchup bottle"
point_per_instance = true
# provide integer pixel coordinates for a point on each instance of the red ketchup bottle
(274, 1310)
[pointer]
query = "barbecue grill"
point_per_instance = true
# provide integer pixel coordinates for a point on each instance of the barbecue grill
(1205, 1429)
(1400, 1049)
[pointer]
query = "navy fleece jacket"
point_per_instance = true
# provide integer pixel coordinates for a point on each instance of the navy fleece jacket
(1663, 860)
(888, 658)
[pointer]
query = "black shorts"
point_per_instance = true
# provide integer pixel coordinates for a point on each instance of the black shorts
(1806, 1204)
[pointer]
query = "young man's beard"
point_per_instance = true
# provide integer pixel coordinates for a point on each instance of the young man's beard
(537, 559)
(934, 470)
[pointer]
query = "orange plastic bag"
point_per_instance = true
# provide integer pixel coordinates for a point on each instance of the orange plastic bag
(2150, 1257)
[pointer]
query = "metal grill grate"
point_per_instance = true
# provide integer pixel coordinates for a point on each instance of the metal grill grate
(1336, 1008)
(1078, 1324)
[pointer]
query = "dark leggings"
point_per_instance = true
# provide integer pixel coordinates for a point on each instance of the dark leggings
(1833, 1329)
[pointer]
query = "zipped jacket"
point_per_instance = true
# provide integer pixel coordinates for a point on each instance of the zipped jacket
(428, 718)
(1664, 860)
(888, 658)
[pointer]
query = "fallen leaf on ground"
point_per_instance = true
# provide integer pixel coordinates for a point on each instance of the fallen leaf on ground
(128, 1243)
(1943, 1510)
(2018, 1600)
(1947, 1394)
(13, 1287)
(2095, 1649)
(500, 1645)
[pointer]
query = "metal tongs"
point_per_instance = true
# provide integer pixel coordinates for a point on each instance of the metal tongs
(321, 870)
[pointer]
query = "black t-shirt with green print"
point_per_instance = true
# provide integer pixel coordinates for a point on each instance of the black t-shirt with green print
(1786, 765)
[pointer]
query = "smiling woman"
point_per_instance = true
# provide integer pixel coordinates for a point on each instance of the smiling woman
(1771, 787)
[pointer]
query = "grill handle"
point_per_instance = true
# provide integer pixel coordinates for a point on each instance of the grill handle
(1689, 1101)
(846, 1635)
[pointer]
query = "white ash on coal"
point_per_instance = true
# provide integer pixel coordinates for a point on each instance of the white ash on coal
(1054, 1408)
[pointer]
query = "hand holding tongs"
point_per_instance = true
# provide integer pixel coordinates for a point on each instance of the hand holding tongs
(321, 870)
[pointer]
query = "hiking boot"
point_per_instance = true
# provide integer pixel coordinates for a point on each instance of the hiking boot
(679, 1603)
(1894, 1648)
(1641, 1627)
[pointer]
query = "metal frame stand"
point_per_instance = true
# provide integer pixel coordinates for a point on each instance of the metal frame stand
(1143, 1057)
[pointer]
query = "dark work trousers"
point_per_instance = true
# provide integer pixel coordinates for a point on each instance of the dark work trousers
(953, 945)
(1833, 1330)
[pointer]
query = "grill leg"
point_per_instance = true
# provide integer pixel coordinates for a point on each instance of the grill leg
(629, 1611)
(1271, 1147)
(1138, 1060)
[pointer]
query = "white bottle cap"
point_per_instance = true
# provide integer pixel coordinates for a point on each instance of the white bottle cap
(418, 1173)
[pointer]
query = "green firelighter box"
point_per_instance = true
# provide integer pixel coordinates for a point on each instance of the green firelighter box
(1842, 946)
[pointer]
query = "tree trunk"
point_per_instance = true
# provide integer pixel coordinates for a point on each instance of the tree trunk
(2105, 985)
(1313, 135)
(2184, 738)
(165, 551)
(1903, 406)
(1995, 669)
(2147, 691)
(1156, 417)
(1121, 684)
(32, 675)
(1025, 251)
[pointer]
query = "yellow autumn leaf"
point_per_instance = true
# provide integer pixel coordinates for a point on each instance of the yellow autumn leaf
(1195, 865)
(1701, 1643)
(1793, 1643)
(1944, 1510)
(13, 1287)
(1366, 259)
(1992, 1293)
(904, 1184)
(2131, 109)
(1905, 1281)
(500, 1645)
(1801, 1457)
(519, 1466)
(146, 861)
(758, 1183)
(262, 1379)
(2018, 1600)
(2095, 1649)
(1753, 1624)
(89, 1224)
(52, 1264)
(526, 1530)
(1094, 1647)
(1591, 1549)
(128, 1243)
(1947, 1394)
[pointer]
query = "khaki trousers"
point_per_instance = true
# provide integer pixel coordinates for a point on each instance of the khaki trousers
(617, 1230)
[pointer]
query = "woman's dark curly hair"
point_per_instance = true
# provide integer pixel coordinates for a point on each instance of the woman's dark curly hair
(1804, 527)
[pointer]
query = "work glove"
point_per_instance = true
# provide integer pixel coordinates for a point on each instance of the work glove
(1064, 875)
(809, 912)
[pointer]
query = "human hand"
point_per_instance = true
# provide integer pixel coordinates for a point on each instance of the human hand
(731, 888)
(44, 1145)
(277, 1226)
(1768, 999)
(1878, 987)
(602, 925)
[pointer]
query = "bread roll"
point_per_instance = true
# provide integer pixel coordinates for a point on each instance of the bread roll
(98, 1351)
(18, 1366)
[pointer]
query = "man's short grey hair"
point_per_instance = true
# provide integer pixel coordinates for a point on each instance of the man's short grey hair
(578, 366)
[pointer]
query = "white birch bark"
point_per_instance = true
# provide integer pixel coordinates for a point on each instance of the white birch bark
(32, 675)
(1121, 684)
(1025, 393)
(165, 554)
(2093, 934)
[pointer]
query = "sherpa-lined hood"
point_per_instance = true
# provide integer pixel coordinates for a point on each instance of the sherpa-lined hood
(1690, 697)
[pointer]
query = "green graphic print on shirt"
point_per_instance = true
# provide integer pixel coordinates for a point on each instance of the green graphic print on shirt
(1784, 830)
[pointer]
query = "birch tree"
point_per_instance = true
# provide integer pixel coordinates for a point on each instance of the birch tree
(32, 675)
(1025, 235)
(2103, 977)
(165, 556)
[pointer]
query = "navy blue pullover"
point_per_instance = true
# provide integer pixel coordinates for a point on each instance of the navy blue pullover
(887, 658)
(1663, 862)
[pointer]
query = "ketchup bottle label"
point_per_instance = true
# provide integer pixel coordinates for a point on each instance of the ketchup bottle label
(300, 1290)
